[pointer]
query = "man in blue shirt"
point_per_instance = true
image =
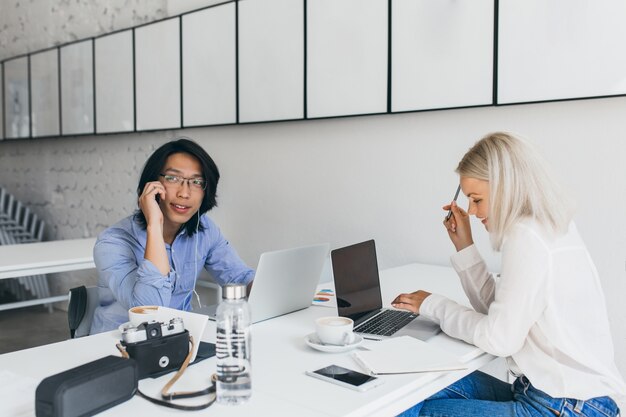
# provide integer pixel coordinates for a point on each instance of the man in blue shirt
(154, 256)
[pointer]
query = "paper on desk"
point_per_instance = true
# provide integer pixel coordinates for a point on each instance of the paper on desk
(17, 396)
(194, 323)
(403, 355)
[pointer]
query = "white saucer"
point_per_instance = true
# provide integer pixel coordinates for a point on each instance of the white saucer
(124, 326)
(314, 342)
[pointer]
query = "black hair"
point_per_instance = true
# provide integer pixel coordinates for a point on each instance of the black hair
(154, 167)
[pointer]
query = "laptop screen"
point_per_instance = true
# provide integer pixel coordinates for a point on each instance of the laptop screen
(356, 279)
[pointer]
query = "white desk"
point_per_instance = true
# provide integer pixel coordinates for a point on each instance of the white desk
(279, 359)
(44, 258)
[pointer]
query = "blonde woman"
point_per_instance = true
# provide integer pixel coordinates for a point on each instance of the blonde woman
(545, 314)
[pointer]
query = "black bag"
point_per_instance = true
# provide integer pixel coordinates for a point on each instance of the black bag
(87, 389)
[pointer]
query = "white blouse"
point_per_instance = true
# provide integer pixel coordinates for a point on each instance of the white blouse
(546, 313)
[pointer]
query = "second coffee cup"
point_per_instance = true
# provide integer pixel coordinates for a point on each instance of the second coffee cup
(334, 330)
(140, 314)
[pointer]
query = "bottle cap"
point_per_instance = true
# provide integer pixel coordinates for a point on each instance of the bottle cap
(233, 291)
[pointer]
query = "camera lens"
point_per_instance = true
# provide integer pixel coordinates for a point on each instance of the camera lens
(154, 332)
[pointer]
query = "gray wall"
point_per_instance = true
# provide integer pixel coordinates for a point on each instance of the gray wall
(339, 180)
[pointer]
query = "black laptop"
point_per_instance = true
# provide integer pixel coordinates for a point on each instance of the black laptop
(357, 287)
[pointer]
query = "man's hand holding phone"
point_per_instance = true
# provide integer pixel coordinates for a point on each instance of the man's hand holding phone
(155, 245)
(149, 202)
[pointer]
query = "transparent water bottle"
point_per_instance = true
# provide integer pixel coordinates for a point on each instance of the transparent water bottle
(232, 348)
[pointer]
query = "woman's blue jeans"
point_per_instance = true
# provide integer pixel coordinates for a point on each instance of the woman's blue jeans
(480, 395)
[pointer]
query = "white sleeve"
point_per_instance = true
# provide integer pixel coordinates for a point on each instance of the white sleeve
(519, 299)
(479, 285)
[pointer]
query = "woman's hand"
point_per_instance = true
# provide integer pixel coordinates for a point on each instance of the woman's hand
(411, 302)
(458, 227)
(149, 205)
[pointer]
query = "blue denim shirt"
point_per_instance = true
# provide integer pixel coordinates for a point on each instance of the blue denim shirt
(126, 279)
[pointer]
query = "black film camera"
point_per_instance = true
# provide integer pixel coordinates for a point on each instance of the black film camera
(157, 347)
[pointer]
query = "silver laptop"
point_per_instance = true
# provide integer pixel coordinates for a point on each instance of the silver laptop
(357, 287)
(285, 281)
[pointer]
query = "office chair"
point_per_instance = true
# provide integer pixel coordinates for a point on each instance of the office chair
(82, 304)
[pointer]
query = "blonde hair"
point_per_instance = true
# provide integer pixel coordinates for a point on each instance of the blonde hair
(520, 185)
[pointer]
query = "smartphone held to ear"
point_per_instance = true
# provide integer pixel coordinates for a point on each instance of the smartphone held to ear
(346, 377)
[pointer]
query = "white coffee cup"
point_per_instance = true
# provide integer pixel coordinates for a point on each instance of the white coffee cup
(334, 330)
(140, 314)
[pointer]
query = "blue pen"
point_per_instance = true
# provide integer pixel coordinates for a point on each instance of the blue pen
(456, 195)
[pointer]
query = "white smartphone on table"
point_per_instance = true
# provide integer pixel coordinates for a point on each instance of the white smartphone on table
(345, 377)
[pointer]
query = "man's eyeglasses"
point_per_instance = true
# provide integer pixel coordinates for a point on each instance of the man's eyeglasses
(194, 183)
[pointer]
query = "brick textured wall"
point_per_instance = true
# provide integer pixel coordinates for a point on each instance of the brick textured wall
(78, 186)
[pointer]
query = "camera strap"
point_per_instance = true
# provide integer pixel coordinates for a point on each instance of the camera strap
(167, 397)
(167, 403)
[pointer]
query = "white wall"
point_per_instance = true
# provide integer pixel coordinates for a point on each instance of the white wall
(386, 177)
(343, 180)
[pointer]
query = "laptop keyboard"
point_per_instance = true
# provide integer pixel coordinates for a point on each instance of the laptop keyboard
(386, 323)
